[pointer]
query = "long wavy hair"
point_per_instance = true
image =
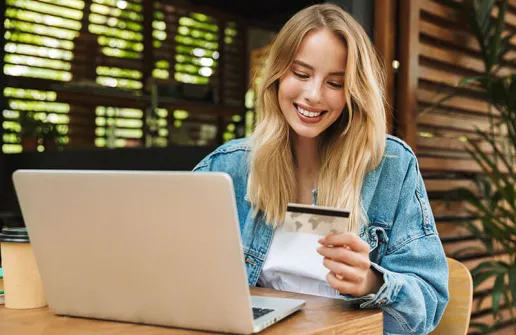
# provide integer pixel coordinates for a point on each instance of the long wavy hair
(352, 146)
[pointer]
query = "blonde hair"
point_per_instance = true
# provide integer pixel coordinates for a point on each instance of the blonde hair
(352, 146)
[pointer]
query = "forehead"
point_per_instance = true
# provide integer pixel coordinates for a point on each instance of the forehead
(323, 50)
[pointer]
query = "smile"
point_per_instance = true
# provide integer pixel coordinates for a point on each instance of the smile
(307, 113)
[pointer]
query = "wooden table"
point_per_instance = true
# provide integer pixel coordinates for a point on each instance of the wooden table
(319, 316)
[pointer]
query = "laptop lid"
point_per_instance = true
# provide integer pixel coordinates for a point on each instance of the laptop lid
(160, 248)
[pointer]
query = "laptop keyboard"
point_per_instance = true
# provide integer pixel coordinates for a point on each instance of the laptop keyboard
(257, 312)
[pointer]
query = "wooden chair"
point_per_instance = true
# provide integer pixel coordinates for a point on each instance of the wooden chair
(457, 314)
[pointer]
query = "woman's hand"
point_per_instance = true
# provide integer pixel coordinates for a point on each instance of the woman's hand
(346, 255)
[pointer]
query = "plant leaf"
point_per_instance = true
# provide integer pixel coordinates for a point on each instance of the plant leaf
(507, 298)
(498, 289)
(483, 10)
(482, 277)
(505, 45)
(494, 56)
(512, 284)
(483, 327)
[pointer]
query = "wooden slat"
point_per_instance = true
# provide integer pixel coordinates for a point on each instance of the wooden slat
(408, 72)
(454, 121)
(433, 185)
(456, 249)
(443, 153)
(457, 102)
(456, 165)
(454, 18)
(440, 143)
(451, 144)
(440, 76)
(446, 133)
(457, 38)
(457, 59)
(449, 208)
(385, 43)
(451, 57)
(447, 54)
(489, 319)
(449, 230)
(441, 11)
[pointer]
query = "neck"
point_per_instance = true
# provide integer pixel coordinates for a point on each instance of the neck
(306, 151)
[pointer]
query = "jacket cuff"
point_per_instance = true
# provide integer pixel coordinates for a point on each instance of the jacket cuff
(386, 295)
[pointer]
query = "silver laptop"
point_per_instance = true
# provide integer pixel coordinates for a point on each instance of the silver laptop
(160, 248)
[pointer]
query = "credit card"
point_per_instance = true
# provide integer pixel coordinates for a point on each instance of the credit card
(318, 220)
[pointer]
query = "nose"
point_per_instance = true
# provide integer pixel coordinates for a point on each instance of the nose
(313, 92)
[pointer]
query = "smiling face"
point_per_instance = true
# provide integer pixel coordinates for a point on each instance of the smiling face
(311, 92)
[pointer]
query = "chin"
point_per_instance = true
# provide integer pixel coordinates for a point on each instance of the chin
(307, 133)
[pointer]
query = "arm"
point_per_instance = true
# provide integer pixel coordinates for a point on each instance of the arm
(414, 271)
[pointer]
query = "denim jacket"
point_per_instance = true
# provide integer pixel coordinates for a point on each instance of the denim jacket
(401, 232)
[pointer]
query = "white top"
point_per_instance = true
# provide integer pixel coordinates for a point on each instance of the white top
(293, 264)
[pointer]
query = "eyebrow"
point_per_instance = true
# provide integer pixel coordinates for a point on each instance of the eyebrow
(298, 62)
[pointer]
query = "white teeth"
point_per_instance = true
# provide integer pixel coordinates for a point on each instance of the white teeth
(307, 113)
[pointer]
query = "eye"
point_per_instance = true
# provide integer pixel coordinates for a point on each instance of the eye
(300, 75)
(335, 85)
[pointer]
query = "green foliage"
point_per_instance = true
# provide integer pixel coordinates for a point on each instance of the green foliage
(493, 201)
(39, 130)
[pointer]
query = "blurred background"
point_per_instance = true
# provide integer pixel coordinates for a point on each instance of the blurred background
(156, 85)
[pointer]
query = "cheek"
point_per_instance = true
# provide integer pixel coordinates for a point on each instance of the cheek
(337, 101)
(289, 89)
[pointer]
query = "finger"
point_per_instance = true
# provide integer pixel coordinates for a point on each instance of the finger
(350, 239)
(346, 256)
(345, 272)
(342, 286)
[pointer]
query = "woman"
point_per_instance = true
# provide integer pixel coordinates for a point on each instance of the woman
(321, 139)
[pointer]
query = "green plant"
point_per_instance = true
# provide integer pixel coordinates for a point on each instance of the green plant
(493, 202)
(30, 125)
(50, 136)
(35, 131)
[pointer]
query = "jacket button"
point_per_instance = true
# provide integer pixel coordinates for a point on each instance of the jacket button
(250, 261)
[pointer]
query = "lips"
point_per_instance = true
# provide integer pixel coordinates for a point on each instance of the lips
(309, 115)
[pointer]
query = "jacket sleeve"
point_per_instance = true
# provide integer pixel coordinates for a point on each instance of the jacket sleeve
(414, 268)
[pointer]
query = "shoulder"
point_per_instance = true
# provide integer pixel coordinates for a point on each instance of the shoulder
(397, 147)
(232, 152)
(398, 155)
(240, 144)
(398, 163)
